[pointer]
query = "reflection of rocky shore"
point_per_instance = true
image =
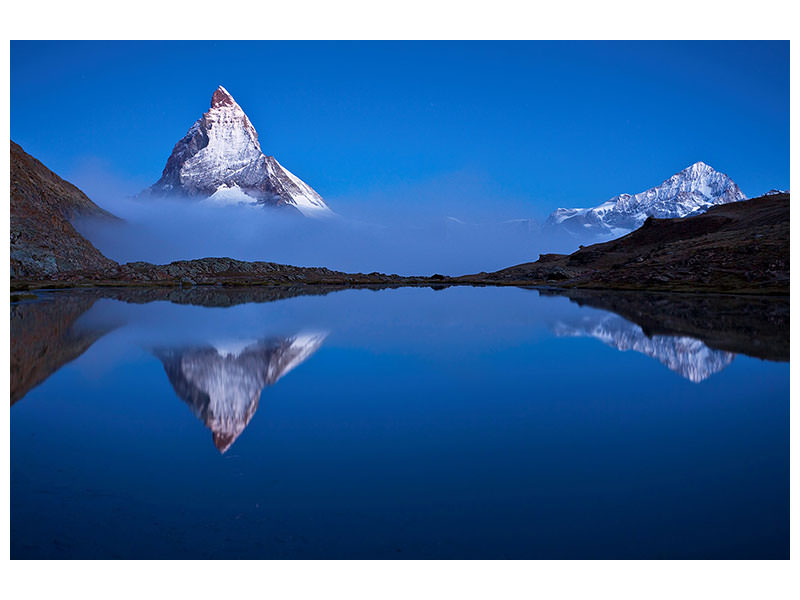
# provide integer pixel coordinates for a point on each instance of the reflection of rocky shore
(206, 295)
(222, 382)
(45, 336)
(214, 295)
(688, 357)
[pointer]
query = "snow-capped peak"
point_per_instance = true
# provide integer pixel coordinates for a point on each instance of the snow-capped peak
(690, 191)
(220, 158)
(698, 167)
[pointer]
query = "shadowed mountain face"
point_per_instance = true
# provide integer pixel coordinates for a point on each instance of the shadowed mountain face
(688, 357)
(44, 243)
(222, 382)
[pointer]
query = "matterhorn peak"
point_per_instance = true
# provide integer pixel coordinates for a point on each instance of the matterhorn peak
(220, 160)
(222, 97)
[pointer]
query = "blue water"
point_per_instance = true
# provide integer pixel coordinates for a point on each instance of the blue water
(459, 423)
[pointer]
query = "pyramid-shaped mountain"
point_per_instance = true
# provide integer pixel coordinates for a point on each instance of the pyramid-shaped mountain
(220, 160)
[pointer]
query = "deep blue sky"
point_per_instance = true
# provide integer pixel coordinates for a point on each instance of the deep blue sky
(539, 124)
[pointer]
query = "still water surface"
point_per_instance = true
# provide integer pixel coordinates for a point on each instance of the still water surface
(407, 423)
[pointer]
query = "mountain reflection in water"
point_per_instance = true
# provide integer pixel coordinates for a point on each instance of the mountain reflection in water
(222, 382)
(688, 357)
(694, 336)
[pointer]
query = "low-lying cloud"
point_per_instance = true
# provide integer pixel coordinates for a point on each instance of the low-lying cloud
(449, 226)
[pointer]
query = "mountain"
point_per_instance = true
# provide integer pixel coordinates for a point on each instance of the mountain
(222, 382)
(740, 247)
(220, 160)
(688, 357)
(689, 192)
(44, 243)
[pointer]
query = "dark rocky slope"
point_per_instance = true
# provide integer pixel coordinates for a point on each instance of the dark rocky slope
(44, 244)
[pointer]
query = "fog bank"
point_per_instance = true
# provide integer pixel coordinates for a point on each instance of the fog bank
(450, 226)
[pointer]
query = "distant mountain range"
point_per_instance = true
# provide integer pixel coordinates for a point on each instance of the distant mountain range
(689, 192)
(219, 160)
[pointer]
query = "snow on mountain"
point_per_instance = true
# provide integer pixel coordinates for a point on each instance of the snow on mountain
(222, 382)
(220, 159)
(688, 357)
(230, 195)
(689, 192)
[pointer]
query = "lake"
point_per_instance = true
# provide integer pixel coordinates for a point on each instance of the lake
(456, 423)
